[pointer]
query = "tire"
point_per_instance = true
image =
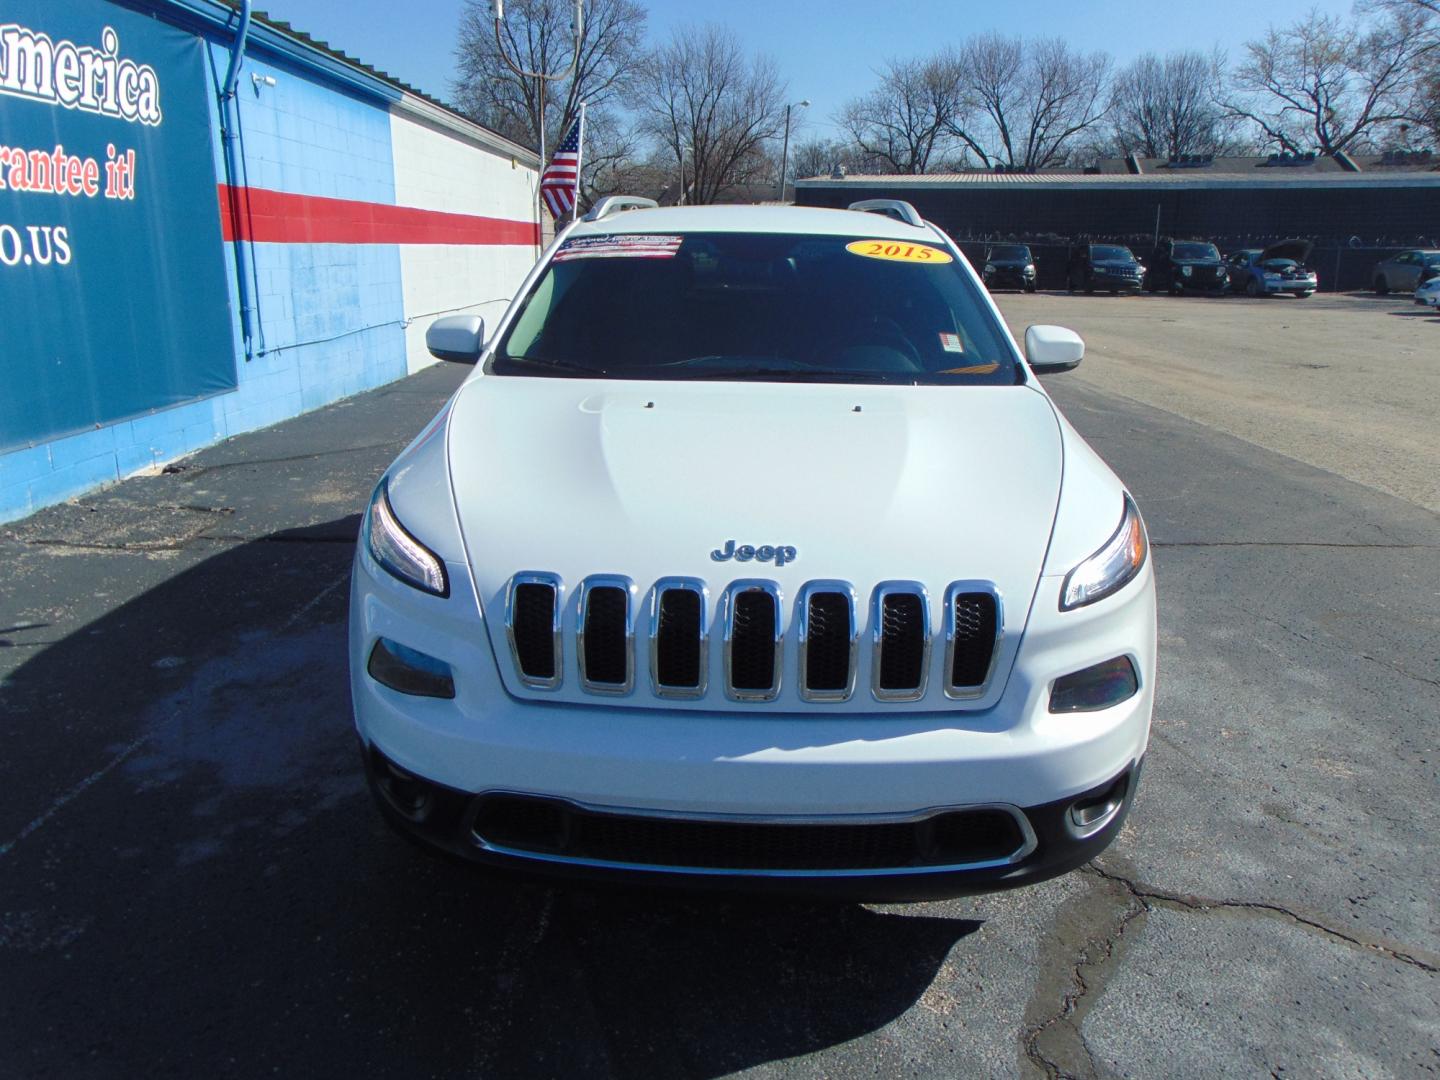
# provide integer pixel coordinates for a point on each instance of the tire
(1252, 287)
(1175, 289)
(1381, 286)
(1030, 288)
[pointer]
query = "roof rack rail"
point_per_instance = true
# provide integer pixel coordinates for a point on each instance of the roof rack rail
(613, 204)
(898, 209)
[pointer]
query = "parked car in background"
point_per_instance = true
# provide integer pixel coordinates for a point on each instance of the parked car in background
(1105, 266)
(1429, 292)
(1405, 271)
(1279, 268)
(1187, 266)
(1009, 266)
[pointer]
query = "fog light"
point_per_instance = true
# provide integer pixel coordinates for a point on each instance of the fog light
(1097, 687)
(1093, 813)
(408, 671)
(408, 795)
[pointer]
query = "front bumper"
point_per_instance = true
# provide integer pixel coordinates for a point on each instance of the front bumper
(454, 823)
(1100, 279)
(1009, 277)
(1290, 285)
(1201, 284)
(806, 762)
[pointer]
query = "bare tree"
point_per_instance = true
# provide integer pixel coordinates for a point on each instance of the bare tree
(907, 122)
(538, 33)
(713, 108)
(1165, 107)
(1029, 100)
(820, 156)
(1328, 85)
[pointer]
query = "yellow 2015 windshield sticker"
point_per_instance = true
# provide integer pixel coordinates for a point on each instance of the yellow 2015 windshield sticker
(899, 251)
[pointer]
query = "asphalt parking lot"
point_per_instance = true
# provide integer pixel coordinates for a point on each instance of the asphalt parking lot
(193, 881)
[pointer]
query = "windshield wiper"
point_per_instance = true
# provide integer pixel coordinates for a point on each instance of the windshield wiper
(567, 366)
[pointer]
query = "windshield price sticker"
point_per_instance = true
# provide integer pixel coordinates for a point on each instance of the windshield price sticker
(898, 251)
(634, 246)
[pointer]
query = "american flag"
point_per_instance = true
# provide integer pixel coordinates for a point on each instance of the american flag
(561, 179)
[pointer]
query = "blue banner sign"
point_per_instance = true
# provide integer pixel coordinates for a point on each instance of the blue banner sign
(113, 294)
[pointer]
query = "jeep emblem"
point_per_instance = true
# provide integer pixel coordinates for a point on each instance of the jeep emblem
(778, 554)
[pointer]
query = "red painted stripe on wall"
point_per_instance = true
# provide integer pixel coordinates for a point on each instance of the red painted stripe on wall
(280, 217)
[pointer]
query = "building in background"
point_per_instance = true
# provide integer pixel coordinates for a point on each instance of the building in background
(163, 287)
(1356, 210)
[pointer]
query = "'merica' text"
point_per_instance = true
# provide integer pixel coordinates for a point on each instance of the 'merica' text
(78, 76)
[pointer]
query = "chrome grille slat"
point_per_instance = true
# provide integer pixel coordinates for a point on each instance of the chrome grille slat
(604, 638)
(828, 639)
(679, 638)
(533, 600)
(974, 628)
(753, 640)
(900, 617)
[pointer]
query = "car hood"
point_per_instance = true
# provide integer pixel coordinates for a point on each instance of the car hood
(1198, 262)
(1010, 262)
(646, 479)
(1295, 250)
(1114, 264)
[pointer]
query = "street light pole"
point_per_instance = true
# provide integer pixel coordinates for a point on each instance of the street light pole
(541, 78)
(785, 153)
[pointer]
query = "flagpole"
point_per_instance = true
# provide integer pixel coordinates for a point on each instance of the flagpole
(579, 164)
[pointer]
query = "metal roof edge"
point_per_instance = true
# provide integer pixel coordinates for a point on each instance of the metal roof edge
(1080, 182)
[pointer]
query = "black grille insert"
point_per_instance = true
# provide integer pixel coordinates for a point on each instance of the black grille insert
(677, 639)
(902, 641)
(553, 827)
(974, 639)
(607, 638)
(827, 642)
(752, 641)
(533, 626)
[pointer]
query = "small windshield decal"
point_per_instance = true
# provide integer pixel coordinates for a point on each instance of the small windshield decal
(634, 246)
(898, 251)
(951, 343)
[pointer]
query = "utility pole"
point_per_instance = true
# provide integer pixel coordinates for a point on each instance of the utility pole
(785, 153)
(541, 78)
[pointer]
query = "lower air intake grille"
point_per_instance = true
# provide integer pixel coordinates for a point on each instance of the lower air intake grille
(903, 635)
(551, 827)
(532, 624)
(677, 639)
(973, 639)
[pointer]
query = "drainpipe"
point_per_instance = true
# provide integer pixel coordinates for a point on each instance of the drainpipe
(230, 118)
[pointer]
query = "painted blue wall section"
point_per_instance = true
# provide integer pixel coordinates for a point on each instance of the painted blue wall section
(330, 316)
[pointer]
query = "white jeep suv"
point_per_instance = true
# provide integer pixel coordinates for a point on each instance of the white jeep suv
(753, 553)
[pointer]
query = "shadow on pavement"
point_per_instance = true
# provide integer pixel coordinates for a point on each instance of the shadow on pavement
(193, 882)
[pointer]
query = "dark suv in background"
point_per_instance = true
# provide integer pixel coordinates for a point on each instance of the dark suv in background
(1105, 266)
(1187, 266)
(1009, 266)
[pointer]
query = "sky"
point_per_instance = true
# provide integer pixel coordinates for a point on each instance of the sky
(829, 50)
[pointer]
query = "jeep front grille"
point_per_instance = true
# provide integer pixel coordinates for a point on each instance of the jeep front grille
(751, 620)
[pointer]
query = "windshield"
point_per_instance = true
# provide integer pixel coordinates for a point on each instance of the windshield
(1431, 258)
(1011, 253)
(756, 306)
(1196, 251)
(1110, 253)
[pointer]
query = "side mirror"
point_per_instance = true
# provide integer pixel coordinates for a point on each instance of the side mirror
(459, 338)
(1052, 349)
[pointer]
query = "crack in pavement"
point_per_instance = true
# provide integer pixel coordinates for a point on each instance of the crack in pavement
(191, 472)
(1056, 1045)
(1054, 1042)
(1340, 649)
(1149, 895)
(143, 547)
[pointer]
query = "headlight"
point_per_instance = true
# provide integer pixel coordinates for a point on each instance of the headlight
(1110, 568)
(399, 552)
(989, 268)
(1029, 268)
(1186, 271)
(1271, 277)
